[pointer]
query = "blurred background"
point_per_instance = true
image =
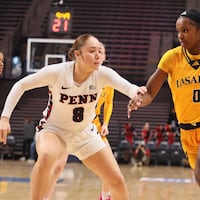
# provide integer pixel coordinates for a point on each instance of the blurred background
(136, 33)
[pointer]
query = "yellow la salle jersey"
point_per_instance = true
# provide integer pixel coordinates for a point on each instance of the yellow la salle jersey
(184, 82)
(106, 98)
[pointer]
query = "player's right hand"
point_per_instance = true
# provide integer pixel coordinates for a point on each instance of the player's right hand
(104, 129)
(4, 129)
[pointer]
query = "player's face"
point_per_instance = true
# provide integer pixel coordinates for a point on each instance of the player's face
(92, 54)
(1, 63)
(188, 34)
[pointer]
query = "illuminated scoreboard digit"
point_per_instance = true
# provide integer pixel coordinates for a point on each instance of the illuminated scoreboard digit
(60, 21)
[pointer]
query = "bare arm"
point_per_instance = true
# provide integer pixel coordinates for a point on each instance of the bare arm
(153, 85)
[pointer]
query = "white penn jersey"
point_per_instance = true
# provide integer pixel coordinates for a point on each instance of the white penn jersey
(71, 106)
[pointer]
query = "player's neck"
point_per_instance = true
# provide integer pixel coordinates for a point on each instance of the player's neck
(80, 75)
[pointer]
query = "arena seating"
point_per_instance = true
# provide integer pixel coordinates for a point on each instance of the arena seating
(155, 114)
(163, 153)
(127, 29)
(8, 150)
(153, 150)
(12, 13)
(176, 154)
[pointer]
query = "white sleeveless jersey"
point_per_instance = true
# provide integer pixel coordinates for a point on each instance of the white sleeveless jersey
(71, 107)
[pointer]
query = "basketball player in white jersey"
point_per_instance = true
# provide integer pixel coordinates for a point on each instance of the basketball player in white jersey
(74, 89)
(105, 101)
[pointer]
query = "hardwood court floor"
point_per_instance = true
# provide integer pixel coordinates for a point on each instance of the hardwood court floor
(78, 183)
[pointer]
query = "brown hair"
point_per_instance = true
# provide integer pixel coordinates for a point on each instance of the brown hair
(79, 42)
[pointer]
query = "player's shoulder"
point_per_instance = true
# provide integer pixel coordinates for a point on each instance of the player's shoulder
(56, 71)
(105, 70)
(174, 51)
(177, 50)
(61, 67)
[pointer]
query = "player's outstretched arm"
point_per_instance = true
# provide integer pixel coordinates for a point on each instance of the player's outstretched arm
(153, 85)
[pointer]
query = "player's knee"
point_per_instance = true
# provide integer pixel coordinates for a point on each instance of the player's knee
(46, 159)
(117, 181)
(58, 169)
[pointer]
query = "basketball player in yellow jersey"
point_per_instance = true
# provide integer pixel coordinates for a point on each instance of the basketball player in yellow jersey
(106, 100)
(181, 65)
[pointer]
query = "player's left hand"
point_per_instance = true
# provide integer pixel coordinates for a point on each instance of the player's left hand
(136, 102)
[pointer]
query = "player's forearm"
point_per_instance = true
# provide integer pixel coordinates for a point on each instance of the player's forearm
(12, 99)
(146, 99)
(107, 113)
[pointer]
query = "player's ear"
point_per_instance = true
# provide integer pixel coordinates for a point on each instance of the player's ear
(77, 53)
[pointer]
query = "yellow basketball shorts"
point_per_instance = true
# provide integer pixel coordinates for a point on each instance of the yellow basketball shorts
(190, 140)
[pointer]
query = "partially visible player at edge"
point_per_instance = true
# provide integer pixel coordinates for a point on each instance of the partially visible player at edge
(105, 99)
(181, 65)
(1, 63)
(74, 90)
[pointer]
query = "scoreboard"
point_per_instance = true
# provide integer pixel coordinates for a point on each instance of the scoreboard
(60, 21)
